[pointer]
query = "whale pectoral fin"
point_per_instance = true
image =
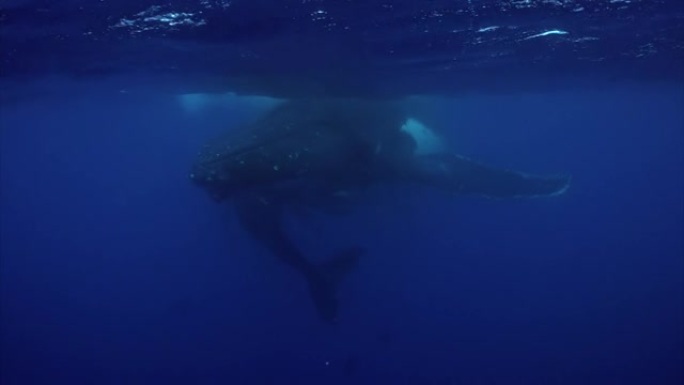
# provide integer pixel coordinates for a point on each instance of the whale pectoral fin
(464, 176)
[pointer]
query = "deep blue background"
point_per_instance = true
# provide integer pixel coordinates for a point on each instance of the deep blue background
(115, 269)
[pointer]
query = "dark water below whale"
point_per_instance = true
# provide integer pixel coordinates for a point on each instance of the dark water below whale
(115, 269)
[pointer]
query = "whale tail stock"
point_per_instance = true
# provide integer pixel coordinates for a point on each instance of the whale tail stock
(323, 280)
(262, 218)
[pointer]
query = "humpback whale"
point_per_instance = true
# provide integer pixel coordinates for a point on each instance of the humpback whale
(316, 153)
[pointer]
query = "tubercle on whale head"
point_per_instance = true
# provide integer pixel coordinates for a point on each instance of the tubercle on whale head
(223, 175)
(215, 182)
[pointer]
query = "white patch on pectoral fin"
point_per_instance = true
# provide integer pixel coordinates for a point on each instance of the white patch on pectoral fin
(427, 142)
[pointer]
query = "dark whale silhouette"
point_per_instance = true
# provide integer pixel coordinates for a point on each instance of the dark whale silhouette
(316, 153)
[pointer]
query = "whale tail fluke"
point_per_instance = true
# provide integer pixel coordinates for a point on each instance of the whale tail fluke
(324, 279)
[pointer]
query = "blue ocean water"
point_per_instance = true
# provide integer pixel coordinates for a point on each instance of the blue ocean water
(116, 269)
